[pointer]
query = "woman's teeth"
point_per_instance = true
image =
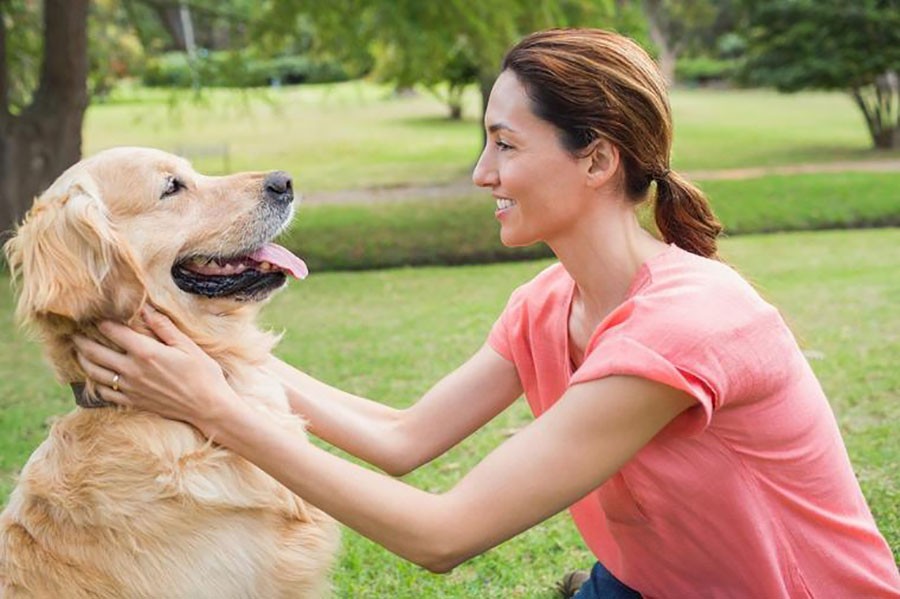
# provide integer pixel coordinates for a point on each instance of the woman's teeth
(503, 204)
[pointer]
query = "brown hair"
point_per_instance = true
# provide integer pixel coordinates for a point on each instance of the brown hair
(594, 84)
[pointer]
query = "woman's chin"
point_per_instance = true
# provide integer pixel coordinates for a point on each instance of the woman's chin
(512, 240)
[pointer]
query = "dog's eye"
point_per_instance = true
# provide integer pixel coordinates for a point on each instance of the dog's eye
(173, 186)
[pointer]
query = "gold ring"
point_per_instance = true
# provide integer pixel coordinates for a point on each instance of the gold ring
(115, 382)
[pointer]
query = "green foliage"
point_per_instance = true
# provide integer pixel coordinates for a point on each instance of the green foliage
(682, 23)
(463, 231)
(432, 43)
(833, 44)
(823, 44)
(704, 70)
(114, 50)
(168, 70)
(22, 21)
(233, 69)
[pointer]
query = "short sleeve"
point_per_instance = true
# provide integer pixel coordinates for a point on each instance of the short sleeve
(500, 337)
(621, 355)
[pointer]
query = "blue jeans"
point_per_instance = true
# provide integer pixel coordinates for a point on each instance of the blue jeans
(603, 585)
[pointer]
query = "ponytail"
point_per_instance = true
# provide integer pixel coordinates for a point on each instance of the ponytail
(592, 84)
(684, 217)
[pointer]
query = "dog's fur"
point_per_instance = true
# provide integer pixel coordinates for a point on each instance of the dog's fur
(118, 503)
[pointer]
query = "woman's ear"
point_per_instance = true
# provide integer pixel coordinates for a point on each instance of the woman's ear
(604, 162)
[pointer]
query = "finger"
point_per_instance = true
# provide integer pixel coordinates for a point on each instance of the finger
(126, 338)
(99, 374)
(98, 354)
(162, 326)
(116, 397)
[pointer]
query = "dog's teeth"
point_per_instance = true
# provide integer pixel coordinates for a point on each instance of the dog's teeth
(265, 266)
(232, 268)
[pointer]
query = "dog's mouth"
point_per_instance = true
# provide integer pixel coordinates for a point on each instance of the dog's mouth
(247, 277)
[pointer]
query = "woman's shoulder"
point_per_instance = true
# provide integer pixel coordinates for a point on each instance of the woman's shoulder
(680, 277)
(699, 297)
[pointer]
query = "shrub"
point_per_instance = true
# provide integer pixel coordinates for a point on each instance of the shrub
(464, 231)
(704, 70)
(227, 69)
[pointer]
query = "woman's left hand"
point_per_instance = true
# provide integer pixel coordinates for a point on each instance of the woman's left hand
(172, 377)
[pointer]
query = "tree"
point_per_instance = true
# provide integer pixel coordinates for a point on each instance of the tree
(673, 25)
(832, 45)
(48, 71)
(114, 50)
(454, 42)
(40, 131)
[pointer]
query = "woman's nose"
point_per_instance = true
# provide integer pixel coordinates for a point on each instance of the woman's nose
(484, 174)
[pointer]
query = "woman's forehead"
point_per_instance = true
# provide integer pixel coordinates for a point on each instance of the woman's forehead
(508, 105)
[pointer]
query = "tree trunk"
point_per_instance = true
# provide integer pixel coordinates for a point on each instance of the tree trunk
(888, 139)
(880, 105)
(485, 85)
(668, 53)
(170, 17)
(38, 144)
(454, 101)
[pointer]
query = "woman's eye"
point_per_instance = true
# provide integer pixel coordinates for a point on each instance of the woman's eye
(502, 145)
(173, 186)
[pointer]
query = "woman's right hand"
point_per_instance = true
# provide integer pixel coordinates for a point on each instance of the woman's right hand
(153, 375)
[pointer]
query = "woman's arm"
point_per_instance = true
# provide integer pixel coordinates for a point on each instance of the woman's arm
(570, 450)
(398, 441)
(395, 440)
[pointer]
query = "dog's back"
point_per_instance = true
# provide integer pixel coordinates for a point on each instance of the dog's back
(121, 504)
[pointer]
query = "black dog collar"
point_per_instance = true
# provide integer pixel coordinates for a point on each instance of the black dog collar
(86, 400)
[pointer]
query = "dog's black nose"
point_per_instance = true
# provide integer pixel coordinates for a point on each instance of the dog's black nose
(278, 187)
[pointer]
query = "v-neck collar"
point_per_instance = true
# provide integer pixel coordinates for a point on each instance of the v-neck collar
(641, 277)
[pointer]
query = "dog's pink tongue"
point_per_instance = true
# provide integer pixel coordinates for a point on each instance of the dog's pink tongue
(282, 258)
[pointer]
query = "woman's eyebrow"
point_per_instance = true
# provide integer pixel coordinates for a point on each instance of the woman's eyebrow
(500, 127)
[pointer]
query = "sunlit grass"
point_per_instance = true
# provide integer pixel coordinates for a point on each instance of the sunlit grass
(358, 134)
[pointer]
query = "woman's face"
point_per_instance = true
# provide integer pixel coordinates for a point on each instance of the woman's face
(540, 188)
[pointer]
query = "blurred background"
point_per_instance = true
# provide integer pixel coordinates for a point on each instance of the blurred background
(787, 113)
(385, 96)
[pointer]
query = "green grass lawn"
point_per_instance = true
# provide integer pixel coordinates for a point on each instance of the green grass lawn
(389, 334)
(358, 134)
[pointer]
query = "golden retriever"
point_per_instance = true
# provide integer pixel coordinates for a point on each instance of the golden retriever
(118, 503)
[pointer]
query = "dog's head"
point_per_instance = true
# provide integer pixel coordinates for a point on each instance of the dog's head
(131, 225)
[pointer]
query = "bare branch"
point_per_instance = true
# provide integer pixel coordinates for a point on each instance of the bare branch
(874, 130)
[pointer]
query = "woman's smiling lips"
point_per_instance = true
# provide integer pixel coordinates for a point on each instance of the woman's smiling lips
(504, 205)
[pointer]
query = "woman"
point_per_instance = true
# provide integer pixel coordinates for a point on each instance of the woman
(675, 412)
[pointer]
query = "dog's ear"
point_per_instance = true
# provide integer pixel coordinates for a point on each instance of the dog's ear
(68, 261)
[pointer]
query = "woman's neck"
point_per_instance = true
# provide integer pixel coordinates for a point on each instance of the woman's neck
(603, 255)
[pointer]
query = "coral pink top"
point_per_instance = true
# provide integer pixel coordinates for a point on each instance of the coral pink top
(748, 493)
